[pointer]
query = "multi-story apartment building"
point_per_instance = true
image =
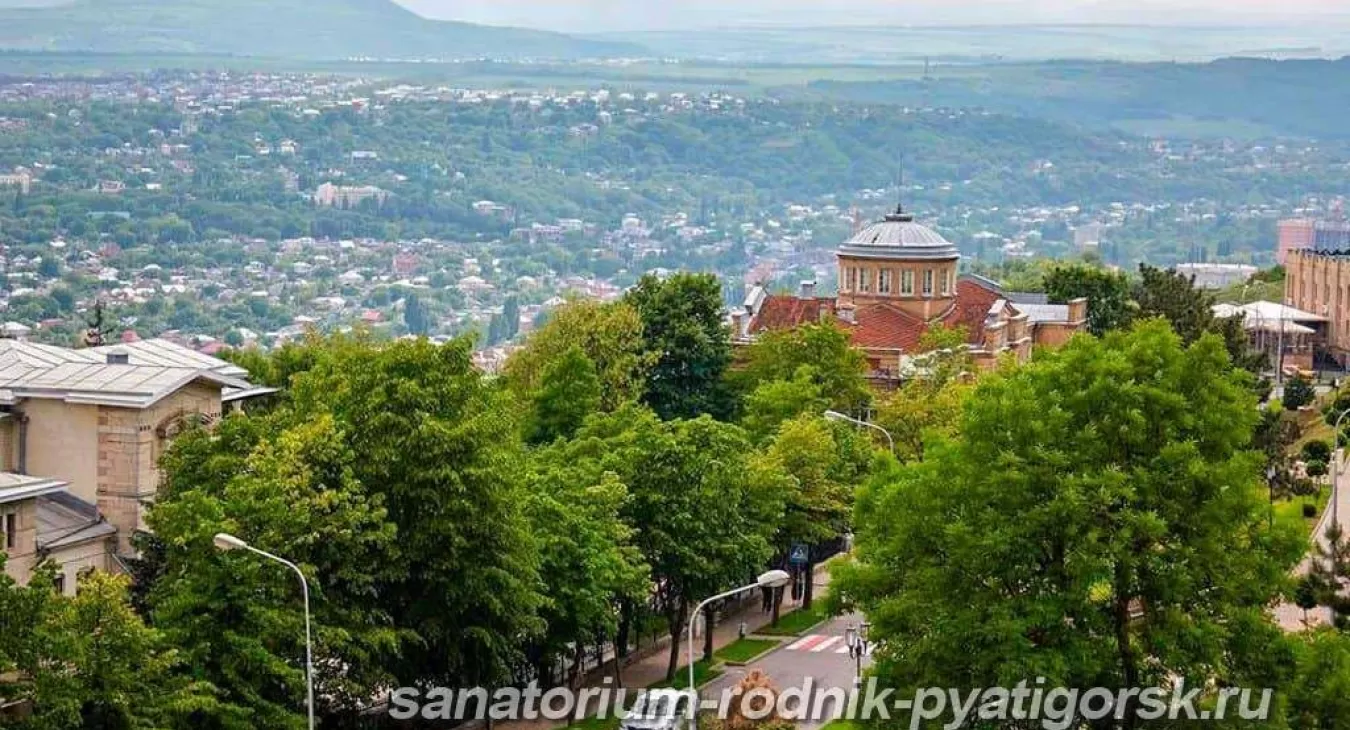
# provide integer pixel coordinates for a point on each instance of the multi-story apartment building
(81, 436)
(1318, 282)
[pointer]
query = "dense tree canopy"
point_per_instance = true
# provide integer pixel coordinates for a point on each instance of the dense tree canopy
(1097, 521)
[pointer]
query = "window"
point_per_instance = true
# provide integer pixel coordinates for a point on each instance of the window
(884, 281)
(11, 530)
(865, 280)
(907, 282)
(928, 282)
(61, 584)
(946, 283)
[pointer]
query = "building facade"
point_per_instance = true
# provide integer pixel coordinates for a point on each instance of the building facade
(1309, 234)
(897, 279)
(81, 436)
(1318, 282)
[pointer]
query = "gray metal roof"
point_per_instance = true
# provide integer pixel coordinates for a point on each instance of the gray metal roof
(899, 237)
(154, 370)
(168, 354)
(1044, 312)
(64, 519)
(17, 487)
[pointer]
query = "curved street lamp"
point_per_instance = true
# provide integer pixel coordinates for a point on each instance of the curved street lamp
(771, 579)
(837, 416)
(226, 543)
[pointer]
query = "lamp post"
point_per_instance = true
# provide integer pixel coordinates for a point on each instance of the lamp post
(1271, 472)
(771, 579)
(837, 416)
(226, 543)
(1335, 468)
(855, 639)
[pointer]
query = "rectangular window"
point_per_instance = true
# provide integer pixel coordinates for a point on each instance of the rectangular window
(946, 283)
(865, 280)
(907, 282)
(852, 278)
(11, 530)
(61, 584)
(928, 282)
(884, 281)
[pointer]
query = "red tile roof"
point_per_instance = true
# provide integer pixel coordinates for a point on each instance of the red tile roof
(780, 312)
(881, 326)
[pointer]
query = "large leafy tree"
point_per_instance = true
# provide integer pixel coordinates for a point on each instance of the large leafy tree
(685, 337)
(569, 392)
(1107, 292)
(103, 668)
(825, 462)
(711, 532)
(286, 486)
(609, 335)
(835, 366)
(439, 449)
(1097, 521)
(589, 559)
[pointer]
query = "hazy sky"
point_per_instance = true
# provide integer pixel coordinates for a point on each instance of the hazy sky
(610, 15)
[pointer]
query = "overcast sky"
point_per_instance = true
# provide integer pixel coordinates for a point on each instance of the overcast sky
(611, 15)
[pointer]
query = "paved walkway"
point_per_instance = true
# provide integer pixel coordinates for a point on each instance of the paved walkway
(1289, 615)
(652, 667)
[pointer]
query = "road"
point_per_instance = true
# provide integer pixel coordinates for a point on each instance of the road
(819, 654)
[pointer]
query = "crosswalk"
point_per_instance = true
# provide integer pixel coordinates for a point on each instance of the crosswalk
(819, 643)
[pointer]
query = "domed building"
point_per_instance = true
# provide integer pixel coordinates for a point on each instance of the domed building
(898, 278)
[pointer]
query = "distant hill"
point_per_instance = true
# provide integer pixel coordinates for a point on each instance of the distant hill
(310, 29)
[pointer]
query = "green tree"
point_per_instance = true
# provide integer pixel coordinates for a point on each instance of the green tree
(836, 367)
(1107, 292)
(438, 446)
(610, 335)
(570, 392)
(683, 332)
(415, 315)
(776, 401)
(285, 485)
(103, 668)
(1165, 293)
(1065, 530)
(589, 560)
(1319, 696)
(711, 533)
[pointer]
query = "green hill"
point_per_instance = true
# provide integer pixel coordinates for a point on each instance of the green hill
(311, 29)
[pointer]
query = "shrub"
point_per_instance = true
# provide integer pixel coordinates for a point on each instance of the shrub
(1309, 511)
(1317, 451)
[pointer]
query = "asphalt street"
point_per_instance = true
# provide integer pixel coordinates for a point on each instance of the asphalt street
(820, 654)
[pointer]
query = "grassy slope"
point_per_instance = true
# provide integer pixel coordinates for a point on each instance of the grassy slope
(280, 28)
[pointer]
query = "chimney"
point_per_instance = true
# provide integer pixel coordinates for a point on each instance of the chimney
(118, 356)
(808, 290)
(847, 314)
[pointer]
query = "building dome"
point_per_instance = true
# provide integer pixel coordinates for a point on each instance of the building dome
(899, 237)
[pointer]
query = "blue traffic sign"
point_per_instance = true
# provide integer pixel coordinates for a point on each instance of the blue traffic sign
(800, 555)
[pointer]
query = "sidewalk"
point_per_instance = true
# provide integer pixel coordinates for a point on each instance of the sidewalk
(1290, 616)
(651, 668)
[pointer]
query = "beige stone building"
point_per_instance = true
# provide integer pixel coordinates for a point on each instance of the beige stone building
(81, 436)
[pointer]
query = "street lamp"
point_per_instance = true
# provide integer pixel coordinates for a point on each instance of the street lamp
(1335, 468)
(771, 579)
(1271, 472)
(837, 416)
(226, 543)
(856, 641)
